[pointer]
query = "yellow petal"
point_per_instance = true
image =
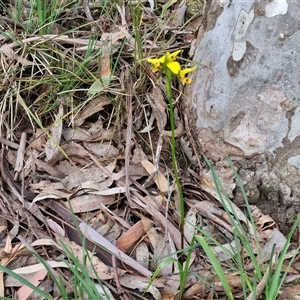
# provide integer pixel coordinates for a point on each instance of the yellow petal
(172, 56)
(156, 69)
(186, 80)
(183, 72)
(153, 61)
(162, 59)
(174, 66)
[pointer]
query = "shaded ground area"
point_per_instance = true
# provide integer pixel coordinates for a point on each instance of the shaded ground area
(87, 182)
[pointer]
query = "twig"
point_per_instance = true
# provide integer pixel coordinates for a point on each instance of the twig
(114, 265)
(9, 143)
(128, 135)
(88, 14)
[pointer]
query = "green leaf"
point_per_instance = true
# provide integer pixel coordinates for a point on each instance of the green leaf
(99, 85)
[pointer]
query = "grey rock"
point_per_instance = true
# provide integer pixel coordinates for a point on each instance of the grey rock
(246, 98)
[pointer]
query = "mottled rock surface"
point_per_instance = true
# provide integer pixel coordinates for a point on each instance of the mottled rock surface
(246, 98)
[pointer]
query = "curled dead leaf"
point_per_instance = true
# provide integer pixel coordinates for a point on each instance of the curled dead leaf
(131, 236)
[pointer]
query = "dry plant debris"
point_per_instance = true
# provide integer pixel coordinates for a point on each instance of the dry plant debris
(85, 154)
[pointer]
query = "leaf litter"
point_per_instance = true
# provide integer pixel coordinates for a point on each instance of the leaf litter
(85, 153)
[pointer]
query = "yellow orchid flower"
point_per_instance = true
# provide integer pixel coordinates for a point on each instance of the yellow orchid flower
(169, 59)
(182, 74)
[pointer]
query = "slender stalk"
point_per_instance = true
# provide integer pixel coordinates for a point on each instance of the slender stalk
(169, 76)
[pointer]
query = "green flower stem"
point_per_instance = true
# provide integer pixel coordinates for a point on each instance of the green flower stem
(169, 76)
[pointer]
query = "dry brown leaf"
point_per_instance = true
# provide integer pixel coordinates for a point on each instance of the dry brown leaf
(76, 134)
(134, 282)
(24, 291)
(2, 228)
(51, 148)
(162, 249)
(51, 194)
(168, 296)
(199, 288)
(8, 51)
(142, 254)
(177, 18)
(161, 106)
(44, 242)
(112, 37)
(149, 126)
(290, 293)
(4, 261)
(114, 216)
(190, 224)
(20, 157)
(153, 236)
(233, 279)
(37, 267)
(128, 36)
(108, 192)
(89, 109)
(265, 222)
(45, 167)
(159, 179)
(76, 176)
(55, 227)
(233, 209)
(131, 236)
(45, 184)
(138, 156)
(105, 70)
(277, 239)
(110, 230)
(102, 149)
(39, 140)
(89, 202)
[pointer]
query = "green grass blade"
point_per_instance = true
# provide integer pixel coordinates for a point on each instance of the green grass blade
(276, 281)
(216, 265)
(164, 263)
(25, 282)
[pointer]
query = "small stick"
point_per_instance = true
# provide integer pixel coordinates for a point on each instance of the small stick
(20, 156)
(88, 14)
(128, 136)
